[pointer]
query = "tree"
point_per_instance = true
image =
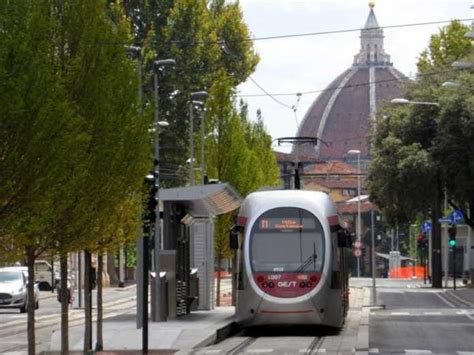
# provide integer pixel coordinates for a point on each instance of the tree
(413, 146)
(237, 151)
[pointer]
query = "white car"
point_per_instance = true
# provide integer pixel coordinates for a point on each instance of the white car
(44, 275)
(13, 288)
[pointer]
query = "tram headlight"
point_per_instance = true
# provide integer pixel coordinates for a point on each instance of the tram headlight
(302, 284)
(314, 279)
(309, 284)
(260, 278)
(265, 285)
(271, 284)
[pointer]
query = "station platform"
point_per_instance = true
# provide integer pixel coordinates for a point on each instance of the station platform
(193, 332)
(173, 336)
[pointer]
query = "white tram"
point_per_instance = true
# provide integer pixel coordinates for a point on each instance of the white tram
(291, 265)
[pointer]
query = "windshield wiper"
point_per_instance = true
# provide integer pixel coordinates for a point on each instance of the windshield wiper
(311, 259)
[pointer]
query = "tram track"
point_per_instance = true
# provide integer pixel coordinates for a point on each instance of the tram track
(315, 345)
(240, 348)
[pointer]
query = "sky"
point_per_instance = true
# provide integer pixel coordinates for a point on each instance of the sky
(310, 63)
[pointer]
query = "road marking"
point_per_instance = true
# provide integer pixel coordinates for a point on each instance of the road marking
(214, 351)
(318, 351)
(259, 351)
(467, 314)
(432, 313)
(464, 352)
(462, 300)
(416, 351)
(400, 313)
(373, 351)
(445, 300)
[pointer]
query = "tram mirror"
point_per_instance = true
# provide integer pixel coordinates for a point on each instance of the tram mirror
(344, 239)
(233, 239)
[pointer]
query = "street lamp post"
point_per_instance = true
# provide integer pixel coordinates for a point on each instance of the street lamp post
(435, 234)
(158, 314)
(194, 96)
(357, 152)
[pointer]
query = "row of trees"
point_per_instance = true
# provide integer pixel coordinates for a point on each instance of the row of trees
(421, 150)
(74, 149)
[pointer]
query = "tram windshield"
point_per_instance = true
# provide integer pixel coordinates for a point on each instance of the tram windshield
(287, 239)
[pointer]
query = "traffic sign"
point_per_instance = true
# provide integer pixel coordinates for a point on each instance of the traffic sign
(445, 220)
(357, 244)
(426, 227)
(357, 252)
(456, 216)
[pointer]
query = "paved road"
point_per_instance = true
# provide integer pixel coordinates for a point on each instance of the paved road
(13, 323)
(420, 320)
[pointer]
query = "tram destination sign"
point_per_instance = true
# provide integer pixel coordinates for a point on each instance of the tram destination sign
(286, 223)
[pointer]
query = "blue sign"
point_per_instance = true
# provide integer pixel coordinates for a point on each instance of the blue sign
(426, 227)
(456, 216)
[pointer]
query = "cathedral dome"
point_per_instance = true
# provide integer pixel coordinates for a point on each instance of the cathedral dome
(340, 115)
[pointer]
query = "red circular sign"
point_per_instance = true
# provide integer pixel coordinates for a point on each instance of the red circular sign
(357, 252)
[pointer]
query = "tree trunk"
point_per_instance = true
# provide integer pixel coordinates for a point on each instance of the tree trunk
(218, 291)
(87, 302)
(30, 260)
(100, 266)
(64, 297)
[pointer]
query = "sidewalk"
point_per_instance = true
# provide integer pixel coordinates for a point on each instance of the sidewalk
(184, 333)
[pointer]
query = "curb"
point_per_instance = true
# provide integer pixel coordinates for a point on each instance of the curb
(362, 345)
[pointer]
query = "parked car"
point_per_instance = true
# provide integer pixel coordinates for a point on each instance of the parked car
(13, 288)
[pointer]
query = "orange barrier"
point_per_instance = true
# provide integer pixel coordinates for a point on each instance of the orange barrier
(407, 272)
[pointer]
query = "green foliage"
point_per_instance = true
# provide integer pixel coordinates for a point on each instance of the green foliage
(445, 47)
(238, 151)
(417, 147)
(73, 148)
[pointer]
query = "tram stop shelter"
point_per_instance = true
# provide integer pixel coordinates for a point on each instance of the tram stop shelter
(187, 257)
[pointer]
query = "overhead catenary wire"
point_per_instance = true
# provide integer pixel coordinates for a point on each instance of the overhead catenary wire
(321, 33)
(318, 91)
(306, 34)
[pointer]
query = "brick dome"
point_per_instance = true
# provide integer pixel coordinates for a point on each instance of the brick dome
(340, 116)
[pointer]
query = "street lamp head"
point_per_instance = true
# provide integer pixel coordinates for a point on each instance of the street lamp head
(409, 102)
(354, 152)
(163, 124)
(199, 95)
(134, 51)
(157, 64)
(400, 101)
(459, 64)
(450, 84)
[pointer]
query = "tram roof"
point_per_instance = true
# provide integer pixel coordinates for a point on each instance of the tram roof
(204, 200)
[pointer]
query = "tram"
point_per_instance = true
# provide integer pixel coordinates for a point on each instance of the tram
(291, 264)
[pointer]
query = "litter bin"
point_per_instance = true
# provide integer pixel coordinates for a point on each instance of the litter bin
(193, 298)
(163, 307)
